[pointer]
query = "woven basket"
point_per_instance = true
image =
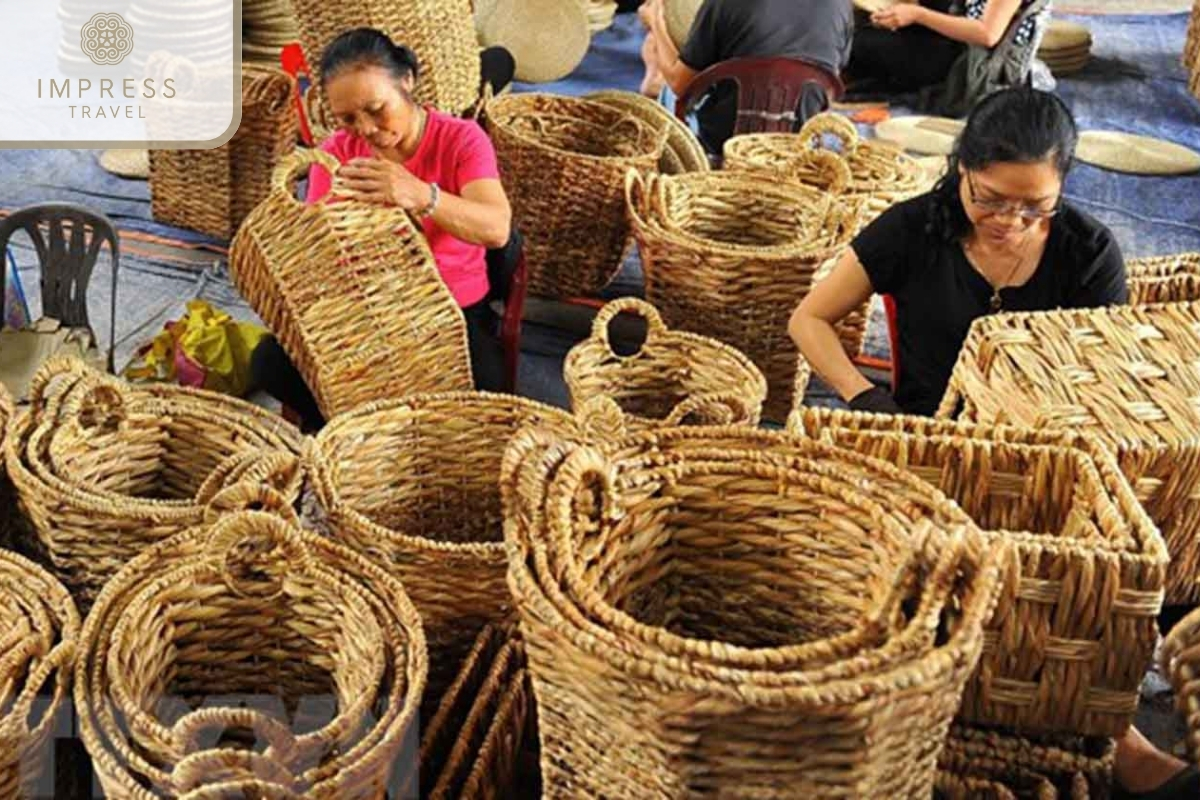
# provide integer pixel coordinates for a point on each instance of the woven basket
(440, 32)
(250, 606)
(103, 470)
(1124, 375)
(563, 161)
(1021, 785)
(674, 377)
(1075, 767)
(676, 649)
(212, 191)
(1191, 47)
(352, 292)
(731, 255)
(1164, 279)
(8, 500)
(1069, 643)
(483, 762)
(1179, 661)
(871, 174)
(39, 632)
(683, 151)
(413, 485)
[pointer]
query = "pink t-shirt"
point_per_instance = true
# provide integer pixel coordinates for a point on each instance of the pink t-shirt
(453, 152)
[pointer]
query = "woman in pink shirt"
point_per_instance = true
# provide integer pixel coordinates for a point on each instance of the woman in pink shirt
(440, 168)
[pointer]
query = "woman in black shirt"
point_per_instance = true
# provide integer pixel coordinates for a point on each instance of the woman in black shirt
(994, 235)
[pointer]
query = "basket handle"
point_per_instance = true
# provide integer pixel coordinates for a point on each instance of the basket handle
(96, 404)
(716, 408)
(186, 732)
(249, 496)
(600, 419)
(638, 189)
(284, 178)
(277, 470)
(828, 123)
(585, 466)
(253, 529)
(56, 367)
(833, 168)
(60, 660)
(655, 327)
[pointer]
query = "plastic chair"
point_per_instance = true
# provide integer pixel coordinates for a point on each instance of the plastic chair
(67, 252)
(769, 91)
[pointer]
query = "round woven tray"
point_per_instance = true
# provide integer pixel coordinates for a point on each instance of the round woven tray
(249, 606)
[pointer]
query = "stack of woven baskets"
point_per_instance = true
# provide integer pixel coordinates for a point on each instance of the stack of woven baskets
(39, 630)
(247, 629)
(235, 176)
(413, 485)
(440, 32)
(563, 161)
(1123, 374)
(103, 471)
(720, 611)
(1066, 47)
(731, 254)
(1164, 279)
(267, 27)
(385, 328)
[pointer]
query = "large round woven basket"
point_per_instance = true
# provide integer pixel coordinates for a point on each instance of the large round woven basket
(1179, 661)
(103, 470)
(324, 649)
(731, 255)
(440, 32)
(1060, 500)
(683, 151)
(875, 175)
(236, 176)
(413, 484)
(353, 294)
(1163, 279)
(1121, 374)
(683, 607)
(674, 377)
(563, 161)
(39, 629)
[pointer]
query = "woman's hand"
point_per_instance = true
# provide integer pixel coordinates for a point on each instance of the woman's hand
(648, 10)
(373, 180)
(898, 16)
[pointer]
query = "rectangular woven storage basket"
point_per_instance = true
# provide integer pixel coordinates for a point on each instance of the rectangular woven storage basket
(1068, 644)
(1164, 279)
(1127, 375)
(212, 191)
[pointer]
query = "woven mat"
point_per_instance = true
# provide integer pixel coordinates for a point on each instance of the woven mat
(1123, 7)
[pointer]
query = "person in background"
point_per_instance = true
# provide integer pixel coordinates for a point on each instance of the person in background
(994, 235)
(929, 45)
(820, 31)
(440, 168)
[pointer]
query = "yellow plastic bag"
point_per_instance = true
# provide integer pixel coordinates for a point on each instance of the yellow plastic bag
(207, 349)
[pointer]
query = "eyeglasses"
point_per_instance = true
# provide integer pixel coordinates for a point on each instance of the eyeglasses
(1027, 213)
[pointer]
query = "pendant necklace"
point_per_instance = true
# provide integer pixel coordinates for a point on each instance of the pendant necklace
(996, 303)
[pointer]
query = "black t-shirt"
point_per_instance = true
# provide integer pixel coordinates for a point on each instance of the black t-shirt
(820, 31)
(938, 294)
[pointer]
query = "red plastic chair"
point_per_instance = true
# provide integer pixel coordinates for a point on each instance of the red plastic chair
(768, 91)
(293, 62)
(889, 310)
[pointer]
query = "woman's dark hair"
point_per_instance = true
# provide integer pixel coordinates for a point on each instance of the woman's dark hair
(368, 46)
(1020, 125)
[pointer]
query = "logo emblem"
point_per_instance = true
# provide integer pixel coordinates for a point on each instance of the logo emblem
(106, 39)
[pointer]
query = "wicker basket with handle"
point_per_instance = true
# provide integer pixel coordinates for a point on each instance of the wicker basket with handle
(563, 161)
(39, 635)
(440, 32)
(212, 191)
(413, 485)
(248, 605)
(1068, 645)
(1125, 375)
(1163, 279)
(103, 470)
(661, 672)
(352, 292)
(730, 256)
(1179, 661)
(683, 151)
(674, 377)
(869, 174)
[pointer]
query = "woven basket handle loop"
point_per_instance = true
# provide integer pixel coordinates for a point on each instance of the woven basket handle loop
(247, 546)
(201, 730)
(46, 384)
(270, 90)
(832, 166)
(637, 196)
(829, 123)
(249, 496)
(655, 327)
(718, 408)
(319, 123)
(239, 790)
(585, 470)
(96, 405)
(57, 666)
(601, 419)
(295, 165)
(214, 773)
(278, 470)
